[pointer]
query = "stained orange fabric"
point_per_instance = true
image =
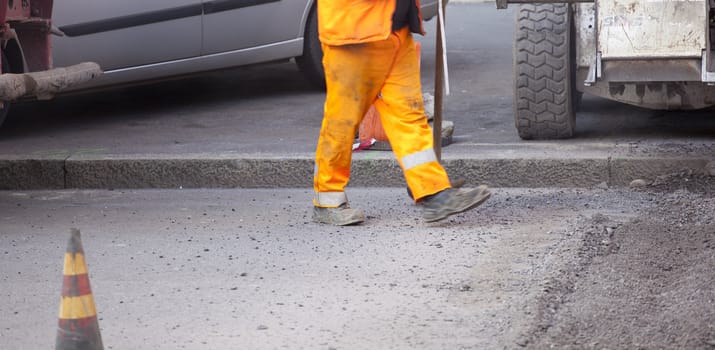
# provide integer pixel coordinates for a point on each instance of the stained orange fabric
(371, 126)
(342, 22)
(355, 76)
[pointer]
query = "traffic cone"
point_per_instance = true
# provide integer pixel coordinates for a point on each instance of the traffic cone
(78, 328)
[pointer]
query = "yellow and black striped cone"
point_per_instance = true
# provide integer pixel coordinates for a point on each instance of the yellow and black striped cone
(78, 328)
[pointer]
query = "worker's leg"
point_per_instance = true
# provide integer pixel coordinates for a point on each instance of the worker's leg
(354, 75)
(403, 118)
(402, 115)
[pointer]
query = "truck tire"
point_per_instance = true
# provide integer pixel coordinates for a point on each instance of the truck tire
(311, 62)
(545, 97)
(5, 104)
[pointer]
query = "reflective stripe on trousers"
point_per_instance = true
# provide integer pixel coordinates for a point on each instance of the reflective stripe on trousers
(355, 76)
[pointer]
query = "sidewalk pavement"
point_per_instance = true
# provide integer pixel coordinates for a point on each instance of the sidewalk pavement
(570, 163)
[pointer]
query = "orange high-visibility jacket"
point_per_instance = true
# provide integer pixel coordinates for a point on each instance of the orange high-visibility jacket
(343, 22)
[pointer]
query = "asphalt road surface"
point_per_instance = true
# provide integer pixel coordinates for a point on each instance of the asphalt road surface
(229, 269)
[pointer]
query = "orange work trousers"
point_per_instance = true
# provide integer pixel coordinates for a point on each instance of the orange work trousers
(384, 73)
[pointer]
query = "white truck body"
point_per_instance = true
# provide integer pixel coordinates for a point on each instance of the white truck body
(650, 53)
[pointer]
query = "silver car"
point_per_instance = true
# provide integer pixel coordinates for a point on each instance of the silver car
(137, 40)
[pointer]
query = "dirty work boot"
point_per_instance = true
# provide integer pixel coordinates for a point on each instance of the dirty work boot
(340, 216)
(453, 201)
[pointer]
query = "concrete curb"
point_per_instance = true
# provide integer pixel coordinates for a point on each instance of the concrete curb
(372, 169)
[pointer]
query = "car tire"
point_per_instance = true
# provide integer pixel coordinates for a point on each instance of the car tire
(5, 104)
(545, 97)
(311, 62)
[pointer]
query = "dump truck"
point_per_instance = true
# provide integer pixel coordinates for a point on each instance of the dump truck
(26, 70)
(654, 54)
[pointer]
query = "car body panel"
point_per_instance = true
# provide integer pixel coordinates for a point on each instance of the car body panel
(193, 36)
(128, 33)
(264, 22)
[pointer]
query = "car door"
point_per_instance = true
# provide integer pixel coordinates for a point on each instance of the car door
(231, 25)
(126, 33)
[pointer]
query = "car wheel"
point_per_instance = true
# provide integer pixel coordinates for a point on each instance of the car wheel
(5, 104)
(311, 63)
(544, 87)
